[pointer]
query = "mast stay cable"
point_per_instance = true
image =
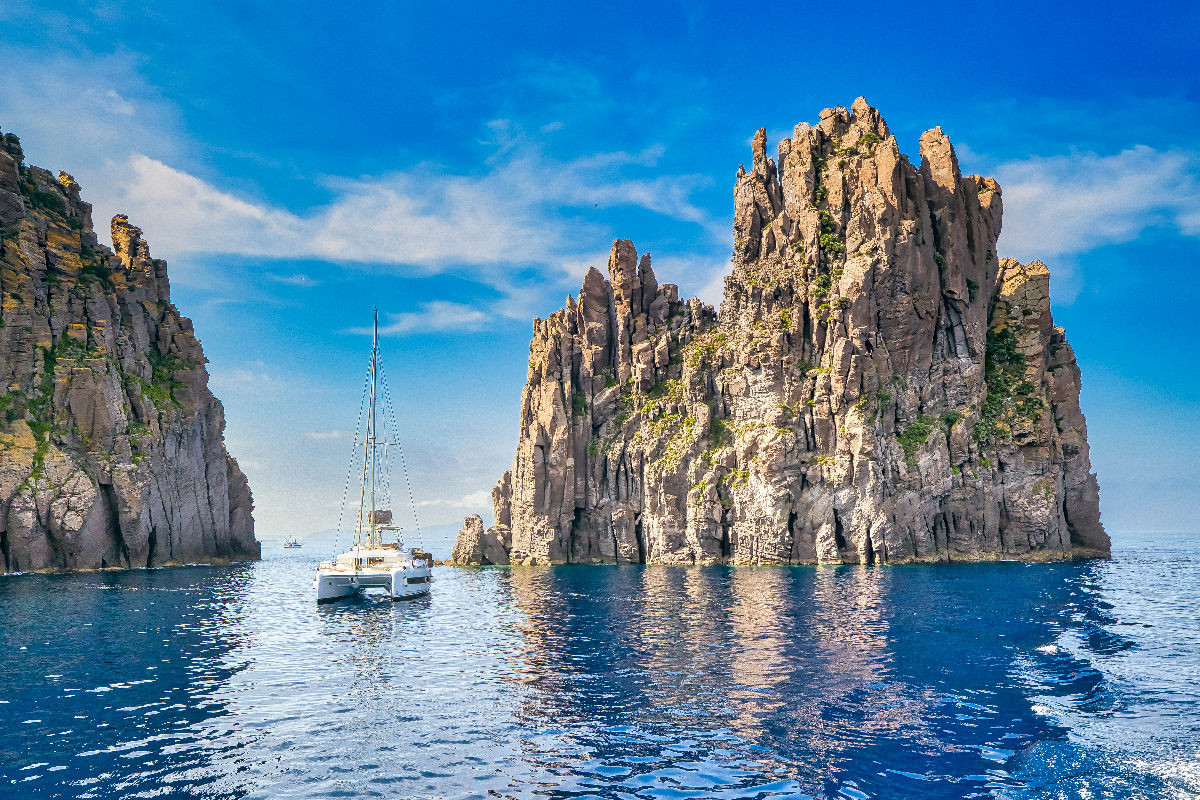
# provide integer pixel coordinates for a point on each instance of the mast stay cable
(362, 407)
(390, 406)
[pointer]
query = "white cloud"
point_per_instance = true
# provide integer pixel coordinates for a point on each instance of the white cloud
(295, 280)
(328, 436)
(439, 316)
(422, 217)
(1070, 204)
(183, 214)
(253, 377)
(1190, 223)
(474, 500)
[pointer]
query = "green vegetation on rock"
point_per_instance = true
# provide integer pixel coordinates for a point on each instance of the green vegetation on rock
(913, 437)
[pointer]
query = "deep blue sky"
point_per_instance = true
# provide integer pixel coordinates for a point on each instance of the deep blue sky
(461, 166)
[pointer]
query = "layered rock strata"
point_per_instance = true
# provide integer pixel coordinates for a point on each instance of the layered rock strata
(879, 387)
(111, 445)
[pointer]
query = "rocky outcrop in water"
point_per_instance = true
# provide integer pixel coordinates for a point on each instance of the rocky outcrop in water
(879, 385)
(111, 446)
(477, 546)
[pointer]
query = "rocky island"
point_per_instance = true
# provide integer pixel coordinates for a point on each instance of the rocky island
(111, 445)
(880, 386)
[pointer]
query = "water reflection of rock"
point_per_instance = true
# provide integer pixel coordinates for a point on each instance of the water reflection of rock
(678, 640)
(850, 700)
(566, 668)
(766, 661)
(542, 614)
(802, 675)
(760, 620)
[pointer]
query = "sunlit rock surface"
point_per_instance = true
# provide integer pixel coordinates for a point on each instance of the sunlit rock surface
(880, 386)
(111, 446)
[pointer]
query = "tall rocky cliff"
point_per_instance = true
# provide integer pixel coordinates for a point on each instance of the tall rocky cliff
(111, 447)
(879, 385)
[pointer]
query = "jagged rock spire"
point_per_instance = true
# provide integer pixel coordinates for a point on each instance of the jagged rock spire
(880, 386)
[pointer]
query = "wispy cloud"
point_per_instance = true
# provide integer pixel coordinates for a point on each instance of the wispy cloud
(1065, 205)
(295, 280)
(438, 316)
(426, 220)
(422, 217)
(328, 436)
(1190, 223)
(522, 209)
(474, 500)
(252, 377)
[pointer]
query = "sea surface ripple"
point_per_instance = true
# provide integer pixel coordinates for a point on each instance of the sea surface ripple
(992, 680)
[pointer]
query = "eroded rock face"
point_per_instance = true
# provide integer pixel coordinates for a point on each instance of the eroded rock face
(477, 546)
(879, 385)
(111, 446)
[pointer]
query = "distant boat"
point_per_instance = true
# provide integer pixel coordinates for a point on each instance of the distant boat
(372, 562)
(292, 543)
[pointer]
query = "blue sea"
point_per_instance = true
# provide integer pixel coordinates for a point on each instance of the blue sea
(992, 680)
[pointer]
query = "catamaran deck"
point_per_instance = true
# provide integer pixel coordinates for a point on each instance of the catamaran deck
(383, 567)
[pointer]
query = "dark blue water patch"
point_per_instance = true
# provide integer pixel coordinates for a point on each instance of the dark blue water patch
(989, 680)
(104, 676)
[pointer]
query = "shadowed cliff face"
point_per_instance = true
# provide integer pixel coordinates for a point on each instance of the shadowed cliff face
(111, 447)
(879, 386)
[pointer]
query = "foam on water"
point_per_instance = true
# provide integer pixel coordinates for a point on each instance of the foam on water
(993, 680)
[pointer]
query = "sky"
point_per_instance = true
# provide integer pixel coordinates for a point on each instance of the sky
(460, 166)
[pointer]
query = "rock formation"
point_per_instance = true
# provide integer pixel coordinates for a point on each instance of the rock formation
(476, 546)
(878, 387)
(111, 447)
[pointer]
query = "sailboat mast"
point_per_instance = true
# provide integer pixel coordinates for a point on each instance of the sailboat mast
(374, 434)
(369, 452)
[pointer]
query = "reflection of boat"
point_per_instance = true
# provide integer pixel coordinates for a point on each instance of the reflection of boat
(372, 562)
(292, 543)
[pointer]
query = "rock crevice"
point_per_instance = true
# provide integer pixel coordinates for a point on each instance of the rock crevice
(111, 445)
(879, 387)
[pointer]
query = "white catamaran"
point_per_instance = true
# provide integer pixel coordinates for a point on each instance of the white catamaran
(372, 562)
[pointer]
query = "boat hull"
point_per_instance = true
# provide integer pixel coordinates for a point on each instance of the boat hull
(402, 583)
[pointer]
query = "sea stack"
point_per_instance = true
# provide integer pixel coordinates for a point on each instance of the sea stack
(112, 445)
(879, 386)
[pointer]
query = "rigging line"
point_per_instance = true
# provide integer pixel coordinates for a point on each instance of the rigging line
(386, 482)
(366, 447)
(362, 406)
(389, 409)
(404, 466)
(369, 453)
(385, 473)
